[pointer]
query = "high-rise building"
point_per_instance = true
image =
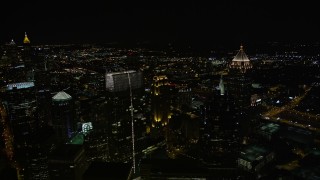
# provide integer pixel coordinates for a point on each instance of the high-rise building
(25, 136)
(239, 85)
(123, 94)
(20, 101)
(223, 114)
(218, 130)
(183, 100)
(28, 59)
(63, 116)
(160, 103)
(67, 161)
(118, 81)
(44, 104)
(10, 55)
(239, 80)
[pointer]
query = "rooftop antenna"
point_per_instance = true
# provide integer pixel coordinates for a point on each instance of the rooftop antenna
(132, 126)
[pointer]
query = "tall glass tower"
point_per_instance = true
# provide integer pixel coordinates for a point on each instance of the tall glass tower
(240, 88)
(63, 116)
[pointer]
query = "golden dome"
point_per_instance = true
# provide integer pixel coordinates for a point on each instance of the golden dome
(26, 39)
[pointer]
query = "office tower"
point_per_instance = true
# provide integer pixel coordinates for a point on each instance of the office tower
(239, 84)
(123, 92)
(118, 81)
(42, 79)
(67, 161)
(44, 113)
(28, 58)
(13, 70)
(160, 103)
(239, 80)
(218, 130)
(26, 51)
(20, 102)
(183, 100)
(7, 136)
(63, 116)
(223, 114)
(10, 54)
(24, 135)
(36, 167)
(96, 141)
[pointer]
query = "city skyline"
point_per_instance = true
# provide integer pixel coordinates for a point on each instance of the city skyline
(190, 23)
(68, 111)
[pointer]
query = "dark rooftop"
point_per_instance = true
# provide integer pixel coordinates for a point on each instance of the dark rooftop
(107, 170)
(254, 153)
(176, 166)
(66, 152)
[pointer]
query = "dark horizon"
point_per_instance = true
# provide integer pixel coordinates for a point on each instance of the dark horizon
(192, 23)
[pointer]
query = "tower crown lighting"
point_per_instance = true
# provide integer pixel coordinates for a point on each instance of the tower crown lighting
(26, 39)
(241, 61)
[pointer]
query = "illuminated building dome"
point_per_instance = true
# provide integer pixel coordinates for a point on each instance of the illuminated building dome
(241, 61)
(26, 39)
(61, 96)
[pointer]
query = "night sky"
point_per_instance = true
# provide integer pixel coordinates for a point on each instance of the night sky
(190, 22)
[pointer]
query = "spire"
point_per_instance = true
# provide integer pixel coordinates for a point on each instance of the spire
(241, 61)
(221, 86)
(12, 43)
(26, 39)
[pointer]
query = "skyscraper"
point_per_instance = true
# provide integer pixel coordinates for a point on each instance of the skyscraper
(63, 116)
(20, 101)
(25, 145)
(10, 55)
(123, 91)
(118, 81)
(67, 161)
(160, 103)
(27, 57)
(239, 84)
(25, 135)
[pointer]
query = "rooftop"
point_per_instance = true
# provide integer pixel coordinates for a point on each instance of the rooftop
(254, 153)
(61, 96)
(20, 85)
(122, 72)
(66, 152)
(175, 166)
(107, 170)
(270, 128)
